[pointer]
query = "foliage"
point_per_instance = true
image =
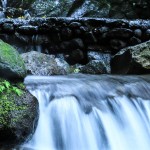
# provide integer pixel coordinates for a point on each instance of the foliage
(74, 69)
(8, 93)
(6, 87)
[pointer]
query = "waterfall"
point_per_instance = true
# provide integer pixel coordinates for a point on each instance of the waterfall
(4, 4)
(86, 112)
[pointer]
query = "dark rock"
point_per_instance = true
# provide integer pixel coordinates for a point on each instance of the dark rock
(89, 38)
(84, 29)
(75, 25)
(72, 44)
(65, 46)
(146, 35)
(123, 33)
(27, 30)
(77, 43)
(138, 33)
(42, 64)
(103, 29)
(117, 44)
(94, 67)
(132, 60)
(24, 38)
(134, 41)
(66, 33)
(8, 28)
(75, 56)
(14, 12)
(103, 57)
(20, 4)
(55, 37)
(67, 8)
(97, 47)
(78, 32)
(11, 64)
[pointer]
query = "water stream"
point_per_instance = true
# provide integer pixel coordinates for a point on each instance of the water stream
(4, 4)
(85, 112)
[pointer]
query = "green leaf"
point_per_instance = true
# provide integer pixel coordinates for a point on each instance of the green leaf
(19, 92)
(2, 88)
(7, 84)
(76, 70)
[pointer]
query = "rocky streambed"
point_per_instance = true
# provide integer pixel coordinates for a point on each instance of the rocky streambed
(60, 46)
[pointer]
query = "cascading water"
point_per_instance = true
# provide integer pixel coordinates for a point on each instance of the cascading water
(4, 4)
(91, 112)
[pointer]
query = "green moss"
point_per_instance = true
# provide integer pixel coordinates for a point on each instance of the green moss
(8, 93)
(10, 60)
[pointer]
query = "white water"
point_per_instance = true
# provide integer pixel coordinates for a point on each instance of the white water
(4, 4)
(91, 113)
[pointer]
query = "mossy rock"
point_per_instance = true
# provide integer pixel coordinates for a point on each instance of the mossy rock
(18, 115)
(11, 64)
(132, 60)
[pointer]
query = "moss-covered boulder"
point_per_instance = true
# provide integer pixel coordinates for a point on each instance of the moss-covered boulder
(132, 60)
(18, 114)
(11, 64)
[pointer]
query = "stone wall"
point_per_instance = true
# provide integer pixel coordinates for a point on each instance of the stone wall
(75, 38)
(57, 35)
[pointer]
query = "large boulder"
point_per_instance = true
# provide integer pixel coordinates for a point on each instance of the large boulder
(11, 64)
(132, 60)
(94, 67)
(41, 64)
(71, 8)
(130, 9)
(18, 114)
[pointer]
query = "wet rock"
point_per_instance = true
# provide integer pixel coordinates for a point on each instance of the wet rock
(11, 64)
(120, 33)
(24, 4)
(97, 47)
(103, 57)
(27, 30)
(66, 34)
(129, 9)
(134, 41)
(147, 35)
(132, 60)
(14, 12)
(75, 56)
(42, 64)
(103, 30)
(94, 67)
(117, 44)
(84, 29)
(75, 25)
(138, 33)
(8, 28)
(89, 38)
(69, 8)
(72, 44)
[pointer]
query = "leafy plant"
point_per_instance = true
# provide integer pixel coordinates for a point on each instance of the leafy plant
(5, 86)
(8, 93)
